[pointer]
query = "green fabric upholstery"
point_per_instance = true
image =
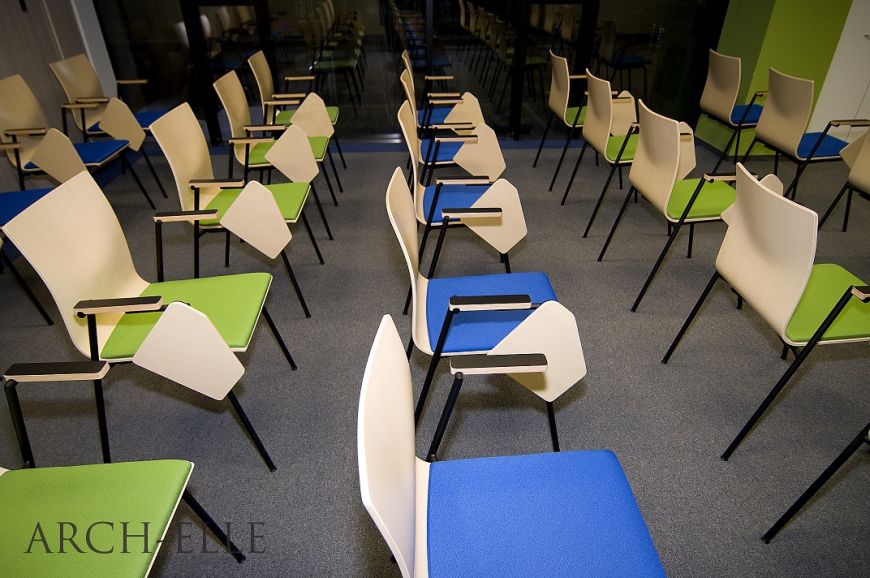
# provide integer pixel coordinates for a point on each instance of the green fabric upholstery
(827, 284)
(289, 196)
(131, 492)
(318, 146)
(257, 154)
(614, 143)
(571, 114)
(231, 302)
(285, 116)
(714, 198)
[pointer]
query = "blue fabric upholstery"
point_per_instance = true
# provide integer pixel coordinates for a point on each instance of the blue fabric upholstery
(93, 152)
(144, 117)
(830, 147)
(446, 151)
(558, 514)
(14, 202)
(751, 117)
(438, 115)
(481, 330)
(451, 196)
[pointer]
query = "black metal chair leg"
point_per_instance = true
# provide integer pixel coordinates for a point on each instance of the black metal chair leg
(600, 199)
(328, 184)
(724, 152)
(562, 156)
(861, 438)
(279, 339)
(848, 208)
(295, 283)
(445, 417)
(748, 150)
(551, 418)
(218, 532)
(126, 162)
(18, 278)
(615, 224)
(246, 423)
(574, 172)
(433, 364)
(505, 258)
(407, 302)
(18, 424)
(153, 172)
(674, 230)
(799, 359)
(691, 316)
(322, 214)
(543, 138)
(311, 236)
(340, 153)
(101, 420)
(227, 248)
(334, 170)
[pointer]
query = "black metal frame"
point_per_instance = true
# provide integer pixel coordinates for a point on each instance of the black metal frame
(571, 129)
(735, 130)
(6, 261)
(850, 188)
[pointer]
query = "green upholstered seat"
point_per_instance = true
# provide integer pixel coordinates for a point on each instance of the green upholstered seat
(571, 115)
(289, 197)
(257, 154)
(714, 198)
(285, 116)
(101, 494)
(231, 302)
(826, 285)
(614, 143)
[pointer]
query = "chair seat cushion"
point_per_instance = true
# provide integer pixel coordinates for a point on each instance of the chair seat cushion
(132, 492)
(94, 152)
(147, 117)
(481, 330)
(752, 115)
(451, 196)
(572, 118)
(446, 150)
(829, 148)
(714, 198)
(289, 197)
(231, 302)
(614, 143)
(826, 285)
(13, 202)
(286, 115)
(557, 514)
(437, 116)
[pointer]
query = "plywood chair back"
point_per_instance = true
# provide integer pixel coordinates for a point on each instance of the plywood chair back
(768, 250)
(232, 96)
(786, 111)
(19, 109)
(78, 79)
(597, 127)
(722, 86)
(657, 159)
(386, 446)
(85, 257)
(120, 123)
(57, 156)
(407, 81)
(560, 85)
(859, 168)
(291, 154)
(263, 77)
(180, 137)
(312, 117)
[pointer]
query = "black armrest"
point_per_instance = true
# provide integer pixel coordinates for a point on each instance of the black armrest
(490, 302)
(188, 216)
(79, 105)
(464, 180)
(93, 99)
(251, 140)
(25, 131)
(862, 293)
(61, 371)
(122, 82)
(9, 146)
(265, 128)
(438, 77)
(443, 94)
(120, 305)
(851, 122)
(724, 177)
(498, 364)
(471, 212)
(472, 138)
(445, 101)
(221, 183)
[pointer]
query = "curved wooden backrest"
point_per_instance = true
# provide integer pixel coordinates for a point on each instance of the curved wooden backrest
(407, 81)
(462, 14)
(183, 144)
(57, 156)
(786, 111)
(408, 124)
(84, 257)
(19, 109)
(312, 117)
(400, 209)
(859, 164)
(386, 446)
(560, 85)
(120, 123)
(78, 79)
(722, 86)
(263, 76)
(232, 96)
(292, 155)
(599, 112)
(768, 250)
(654, 169)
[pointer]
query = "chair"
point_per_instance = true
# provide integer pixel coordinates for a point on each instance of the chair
(719, 100)
(448, 110)
(767, 257)
(783, 124)
(109, 310)
(665, 156)
(559, 100)
(617, 60)
(23, 123)
(863, 437)
(491, 312)
(610, 129)
(570, 513)
(143, 494)
(857, 157)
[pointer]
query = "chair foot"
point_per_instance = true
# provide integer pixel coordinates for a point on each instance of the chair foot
(246, 423)
(201, 513)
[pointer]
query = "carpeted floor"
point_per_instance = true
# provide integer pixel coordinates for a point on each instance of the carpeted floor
(668, 424)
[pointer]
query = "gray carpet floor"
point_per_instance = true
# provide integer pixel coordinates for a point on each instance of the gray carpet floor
(668, 424)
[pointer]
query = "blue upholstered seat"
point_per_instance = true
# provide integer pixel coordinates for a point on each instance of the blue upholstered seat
(751, 117)
(144, 117)
(830, 147)
(481, 330)
(446, 150)
(14, 202)
(94, 152)
(558, 514)
(437, 116)
(451, 196)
